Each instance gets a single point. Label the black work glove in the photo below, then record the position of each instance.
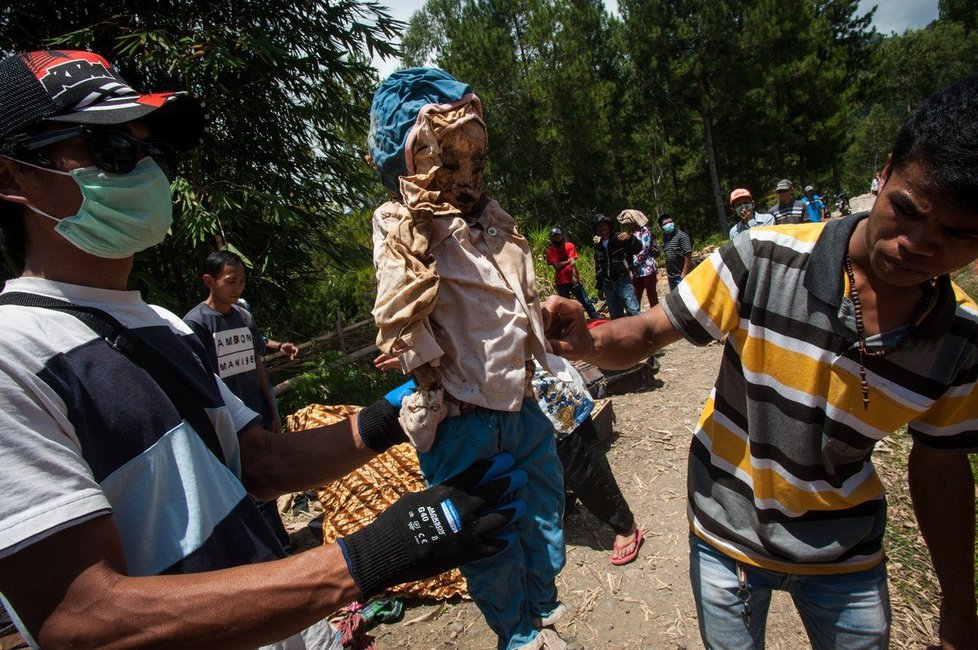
(377, 423)
(426, 533)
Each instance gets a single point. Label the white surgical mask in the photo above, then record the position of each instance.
(668, 228)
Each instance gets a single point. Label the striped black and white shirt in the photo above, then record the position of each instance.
(794, 212)
(85, 432)
(780, 469)
(675, 248)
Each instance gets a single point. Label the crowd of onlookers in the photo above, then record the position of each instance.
(627, 250)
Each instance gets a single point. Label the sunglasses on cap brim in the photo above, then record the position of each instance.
(111, 150)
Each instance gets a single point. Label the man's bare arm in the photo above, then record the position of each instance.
(620, 343)
(71, 591)
(291, 461)
(943, 491)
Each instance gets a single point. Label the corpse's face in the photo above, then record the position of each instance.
(459, 177)
(914, 234)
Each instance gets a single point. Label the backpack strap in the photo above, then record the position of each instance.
(161, 368)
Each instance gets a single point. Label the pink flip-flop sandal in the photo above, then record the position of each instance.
(637, 540)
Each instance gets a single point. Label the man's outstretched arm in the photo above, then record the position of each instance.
(620, 343)
(942, 488)
(71, 589)
(272, 465)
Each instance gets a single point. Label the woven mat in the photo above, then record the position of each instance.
(355, 500)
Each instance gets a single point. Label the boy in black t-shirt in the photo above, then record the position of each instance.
(234, 347)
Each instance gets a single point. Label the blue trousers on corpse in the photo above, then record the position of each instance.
(516, 586)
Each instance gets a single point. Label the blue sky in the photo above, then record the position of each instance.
(891, 16)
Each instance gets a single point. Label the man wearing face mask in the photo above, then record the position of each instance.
(125, 515)
(677, 248)
(743, 206)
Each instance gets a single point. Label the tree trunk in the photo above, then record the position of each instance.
(711, 155)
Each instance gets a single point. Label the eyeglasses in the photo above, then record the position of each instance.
(111, 150)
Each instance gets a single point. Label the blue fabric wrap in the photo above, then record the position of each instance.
(394, 110)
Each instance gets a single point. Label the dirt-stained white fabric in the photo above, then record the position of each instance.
(456, 298)
(486, 322)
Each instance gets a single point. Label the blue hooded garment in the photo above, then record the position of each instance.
(394, 110)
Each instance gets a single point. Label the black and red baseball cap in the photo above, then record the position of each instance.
(77, 87)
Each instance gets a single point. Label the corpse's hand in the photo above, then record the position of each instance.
(385, 362)
(426, 533)
(565, 327)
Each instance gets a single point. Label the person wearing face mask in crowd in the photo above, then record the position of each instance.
(677, 248)
(125, 509)
(743, 206)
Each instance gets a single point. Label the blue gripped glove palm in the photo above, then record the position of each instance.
(426, 533)
(378, 425)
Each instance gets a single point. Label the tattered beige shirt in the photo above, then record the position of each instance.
(485, 322)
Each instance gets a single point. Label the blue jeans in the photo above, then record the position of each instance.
(565, 291)
(674, 281)
(518, 584)
(846, 610)
(621, 297)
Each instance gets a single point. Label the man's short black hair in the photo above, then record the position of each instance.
(942, 133)
(663, 217)
(217, 260)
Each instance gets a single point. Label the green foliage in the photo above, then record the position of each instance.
(963, 12)
(904, 70)
(746, 93)
(287, 87)
(546, 74)
(337, 383)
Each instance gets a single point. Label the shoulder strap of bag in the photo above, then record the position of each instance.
(160, 367)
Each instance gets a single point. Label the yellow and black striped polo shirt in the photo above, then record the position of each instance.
(780, 468)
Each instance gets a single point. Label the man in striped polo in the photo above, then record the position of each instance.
(837, 334)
